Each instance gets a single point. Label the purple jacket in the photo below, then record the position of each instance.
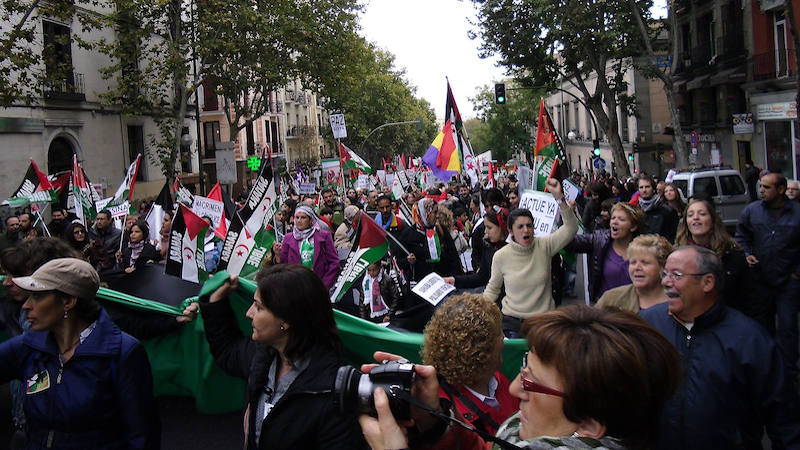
(326, 259)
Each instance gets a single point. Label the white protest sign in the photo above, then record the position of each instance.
(226, 166)
(363, 182)
(433, 289)
(204, 206)
(338, 126)
(389, 179)
(101, 204)
(523, 178)
(544, 209)
(308, 188)
(571, 190)
(120, 210)
(381, 176)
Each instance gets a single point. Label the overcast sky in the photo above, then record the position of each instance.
(429, 39)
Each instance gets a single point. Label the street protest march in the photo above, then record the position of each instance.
(211, 237)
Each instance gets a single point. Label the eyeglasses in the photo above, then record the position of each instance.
(532, 386)
(677, 276)
(78, 232)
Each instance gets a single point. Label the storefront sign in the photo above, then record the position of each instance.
(743, 123)
(777, 111)
(21, 125)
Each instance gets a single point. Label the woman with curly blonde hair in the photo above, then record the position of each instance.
(464, 341)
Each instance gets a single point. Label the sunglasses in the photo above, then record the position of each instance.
(532, 386)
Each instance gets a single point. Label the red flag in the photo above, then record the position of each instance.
(216, 194)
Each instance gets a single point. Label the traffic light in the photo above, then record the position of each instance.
(596, 148)
(630, 156)
(500, 93)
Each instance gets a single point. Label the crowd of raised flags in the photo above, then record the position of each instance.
(248, 232)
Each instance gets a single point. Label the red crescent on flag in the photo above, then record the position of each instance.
(241, 253)
(188, 252)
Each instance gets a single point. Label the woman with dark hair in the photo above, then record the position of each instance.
(138, 252)
(523, 267)
(289, 362)
(599, 193)
(495, 236)
(619, 192)
(701, 225)
(464, 342)
(88, 384)
(672, 197)
(93, 252)
(609, 249)
(593, 379)
(163, 234)
(309, 246)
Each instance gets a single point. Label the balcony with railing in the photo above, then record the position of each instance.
(299, 130)
(773, 65)
(70, 87)
(730, 46)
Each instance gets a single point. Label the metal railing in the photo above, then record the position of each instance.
(772, 65)
(72, 85)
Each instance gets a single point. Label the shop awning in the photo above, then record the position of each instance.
(679, 86)
(737, 75)
(698, 82)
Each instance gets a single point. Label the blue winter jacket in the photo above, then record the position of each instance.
(775, 242)
(734, 380)
(102, 398)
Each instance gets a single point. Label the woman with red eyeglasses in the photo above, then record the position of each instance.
(593, 379)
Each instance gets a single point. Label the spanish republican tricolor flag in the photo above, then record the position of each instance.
(442, 155)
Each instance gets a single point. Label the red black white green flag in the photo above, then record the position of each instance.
(82, 193)
(125, 190)
(369, 247)
(35, 188)
(246, 225)
(186, 241)
(550, 155)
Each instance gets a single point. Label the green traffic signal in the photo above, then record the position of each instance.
(630, 157)
(596, 148)
(500, 93)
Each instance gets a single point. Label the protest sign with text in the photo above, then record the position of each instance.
(544, 209)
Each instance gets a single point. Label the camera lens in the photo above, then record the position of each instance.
(352, 391)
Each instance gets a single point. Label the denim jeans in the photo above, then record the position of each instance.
(788, 335)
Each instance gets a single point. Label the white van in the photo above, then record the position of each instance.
(725, 186)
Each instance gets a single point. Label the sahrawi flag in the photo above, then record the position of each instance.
(350, 160)
(368, 248)
(125, 190)
(186, 241)
(35, 188)
(245, 241)
(550, 155)
(82, 193)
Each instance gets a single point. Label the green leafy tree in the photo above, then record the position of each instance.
(508, 128)
(540, 41)
(378, 93)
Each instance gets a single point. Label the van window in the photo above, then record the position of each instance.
(707, 185)
(681, 185)
(731, 185)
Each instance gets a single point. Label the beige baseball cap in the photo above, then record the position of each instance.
(68, 275)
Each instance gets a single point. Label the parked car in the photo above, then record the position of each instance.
(725, 186)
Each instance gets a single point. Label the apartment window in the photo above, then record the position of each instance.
(57, 55)
(565, 108)
(136, 148)
(781, 45)
(210, 100)
(577, 121)
(210, 138)
(59, 156)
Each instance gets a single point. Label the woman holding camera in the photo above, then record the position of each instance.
(593, 378)
(289, 362)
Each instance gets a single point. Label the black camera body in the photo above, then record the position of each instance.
(354, 392)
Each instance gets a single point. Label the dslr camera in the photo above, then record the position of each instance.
(354, 392)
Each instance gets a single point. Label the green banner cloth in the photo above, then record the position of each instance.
(182, 363)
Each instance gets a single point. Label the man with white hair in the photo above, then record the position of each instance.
(793, 190)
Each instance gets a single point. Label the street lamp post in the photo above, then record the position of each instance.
(418, 121)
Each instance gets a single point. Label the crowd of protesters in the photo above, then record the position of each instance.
(720, 371)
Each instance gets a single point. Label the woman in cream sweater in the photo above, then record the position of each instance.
(523, 265)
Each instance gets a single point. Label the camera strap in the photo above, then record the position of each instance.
(475, 409)
(403, 395)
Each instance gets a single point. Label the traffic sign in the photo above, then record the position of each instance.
(338, 126)
(694, 139)
(599, 163)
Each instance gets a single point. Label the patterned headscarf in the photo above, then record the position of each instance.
(305, 234)
(422, 210)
